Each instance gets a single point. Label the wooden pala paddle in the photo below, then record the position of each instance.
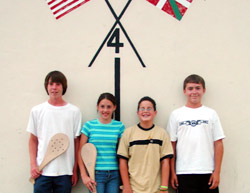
(88, 153)
(58, 144)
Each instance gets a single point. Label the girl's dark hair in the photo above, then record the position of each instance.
(58, 77)
(194, 78)
(147, 98)
(107, 96)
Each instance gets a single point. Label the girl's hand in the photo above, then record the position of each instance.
(127, 190)
(89, 183)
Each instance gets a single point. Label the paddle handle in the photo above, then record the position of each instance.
(32, 180)
(43, 164)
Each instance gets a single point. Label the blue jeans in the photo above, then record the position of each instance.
(49, 184)
(107, 181)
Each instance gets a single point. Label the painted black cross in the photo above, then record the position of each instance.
(114, 41)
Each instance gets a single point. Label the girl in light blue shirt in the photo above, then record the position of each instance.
(104, 133)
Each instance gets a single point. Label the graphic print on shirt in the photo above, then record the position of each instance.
(193, 123)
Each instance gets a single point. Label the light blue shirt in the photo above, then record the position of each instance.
(105, 138)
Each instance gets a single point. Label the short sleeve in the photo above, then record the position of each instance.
(166, 149)
(77, 123)
(217, 128)
(172, 128)
(31, 127)
(86, 129)
(122, 128)
(123, 146)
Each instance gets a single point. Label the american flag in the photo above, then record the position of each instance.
(61, 7)
(176, 8)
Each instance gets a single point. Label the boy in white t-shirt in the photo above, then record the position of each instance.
(196, 135)
(47, 119)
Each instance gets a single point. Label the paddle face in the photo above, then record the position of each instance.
(58, 144)
(88, 153)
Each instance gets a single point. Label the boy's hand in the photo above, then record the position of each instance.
(35, 173)
(74, 178)
(214, 180)
(174, 181)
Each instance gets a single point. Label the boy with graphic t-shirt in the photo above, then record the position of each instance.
(196, 135)
(47, 119)
(144, 152)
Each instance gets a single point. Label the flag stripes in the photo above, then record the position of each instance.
(176, 8)
(60, 8)
(161, 3)
(185, 3)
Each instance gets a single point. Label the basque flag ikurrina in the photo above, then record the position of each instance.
(176, 8)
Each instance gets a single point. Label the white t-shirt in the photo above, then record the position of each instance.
(45, 121)
(195, 130)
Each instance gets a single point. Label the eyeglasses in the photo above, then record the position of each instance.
(145, 109)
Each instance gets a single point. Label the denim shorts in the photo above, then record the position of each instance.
(57, 184)
(107, 181)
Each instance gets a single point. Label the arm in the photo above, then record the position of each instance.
(165, 169)
(75, 176)
(89, 183)
(174, 180)
(124, 175)
(33, 145)
(218, 154)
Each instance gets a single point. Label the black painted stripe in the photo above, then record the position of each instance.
(117, 88)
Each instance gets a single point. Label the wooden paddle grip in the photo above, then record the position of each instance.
(33, 181)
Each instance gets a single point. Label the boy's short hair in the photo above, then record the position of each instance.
(147, 98)
(58, 77)
(194, 78)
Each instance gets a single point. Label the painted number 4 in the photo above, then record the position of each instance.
(114, 41)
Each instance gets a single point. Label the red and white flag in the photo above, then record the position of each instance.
(61, 7)
(176, 8)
